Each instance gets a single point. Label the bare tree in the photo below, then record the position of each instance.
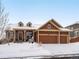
(3, 20)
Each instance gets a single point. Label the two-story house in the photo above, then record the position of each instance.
(74, 34)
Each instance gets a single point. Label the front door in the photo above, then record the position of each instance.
(20, 36)
(29, 35)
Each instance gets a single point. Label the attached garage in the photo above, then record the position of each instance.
(48, 37)
(63, 39)
(52, 32)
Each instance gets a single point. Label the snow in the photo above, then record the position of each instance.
(65, 29)
(22, 50)
(35, 50)
(34, 27)
(63, 49)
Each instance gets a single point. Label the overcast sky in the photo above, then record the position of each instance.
(38, 11)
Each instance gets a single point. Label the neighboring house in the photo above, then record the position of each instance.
(75, 29)
(74, 34)
(49, 32)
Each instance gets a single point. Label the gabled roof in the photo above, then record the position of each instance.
(76, 23)
(65, 29)
(36, 27)
(56, 23)
(52, 21)
(12, 26)
(25, 28)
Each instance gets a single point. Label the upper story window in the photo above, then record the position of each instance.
(20, 24)
(49, 26)
(29, 24)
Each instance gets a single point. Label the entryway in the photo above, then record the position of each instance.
(20, 36)
(24, 35)
(30, 36)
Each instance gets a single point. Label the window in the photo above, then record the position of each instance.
(49, 26)
(71, 28)
(11, 34)
(20, 24)
(76, 33)
(29, 24)
(72, 34)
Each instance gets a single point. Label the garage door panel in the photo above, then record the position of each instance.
(63, 39)
(48, 39)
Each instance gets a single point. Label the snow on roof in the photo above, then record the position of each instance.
(10, 26)
(24, 27)
(33, 27)
(77, 22)
(65, 29)
(15, 26)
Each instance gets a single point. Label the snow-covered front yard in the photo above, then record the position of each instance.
(29, 49)
(61, 50)
(22, 50)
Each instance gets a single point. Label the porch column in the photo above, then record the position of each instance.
(58, 37)
(33, 35)
(38, 36)
(68, 37)
(7, 36)
(24, 35)
(18, 35)
(14, 36)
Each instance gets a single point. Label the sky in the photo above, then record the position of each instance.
(65, 12)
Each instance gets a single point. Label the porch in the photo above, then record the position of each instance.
(23, 35)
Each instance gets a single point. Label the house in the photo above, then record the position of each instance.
(49, 32)
(74, 34)
(75, 29)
